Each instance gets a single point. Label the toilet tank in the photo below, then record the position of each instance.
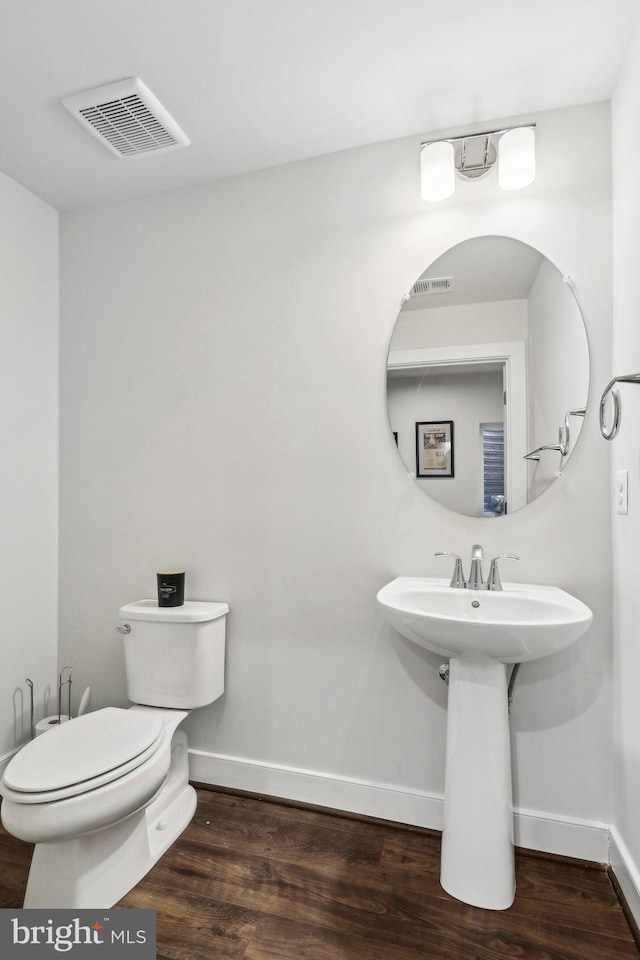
(174, 656)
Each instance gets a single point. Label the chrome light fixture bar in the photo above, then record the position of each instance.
(474, 156)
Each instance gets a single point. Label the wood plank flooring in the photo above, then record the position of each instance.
(256, 880)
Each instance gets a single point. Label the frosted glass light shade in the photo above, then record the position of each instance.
(517, 158)
(437, 170)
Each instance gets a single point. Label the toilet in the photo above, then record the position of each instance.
(104, 795)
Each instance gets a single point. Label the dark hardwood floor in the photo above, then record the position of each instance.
(257, 880)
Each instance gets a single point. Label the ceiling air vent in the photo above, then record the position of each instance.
(434, 285)
(126, 118)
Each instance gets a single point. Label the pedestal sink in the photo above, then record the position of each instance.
(480, 631)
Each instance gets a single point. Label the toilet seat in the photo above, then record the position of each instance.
(82, 755)
(30, 817)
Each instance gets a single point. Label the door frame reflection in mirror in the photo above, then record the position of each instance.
(509, 356)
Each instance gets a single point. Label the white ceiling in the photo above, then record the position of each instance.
(255, 83)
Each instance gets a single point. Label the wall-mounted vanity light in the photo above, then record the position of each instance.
(474, 157)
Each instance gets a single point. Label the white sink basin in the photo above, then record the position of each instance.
(522, 622)
(479, 631)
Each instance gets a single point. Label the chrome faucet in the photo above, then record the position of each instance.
(457, 580)
(475, 581)
(493, 580)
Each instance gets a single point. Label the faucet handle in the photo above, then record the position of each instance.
(493, 580)
(457, 580)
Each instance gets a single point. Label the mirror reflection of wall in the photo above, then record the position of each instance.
(492, 339)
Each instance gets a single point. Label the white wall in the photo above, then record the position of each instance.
(223, 359)
(28, 455)
(626, 529)
(492, 322)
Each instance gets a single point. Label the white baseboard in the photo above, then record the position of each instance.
(587, 840)
(626, 871)
(321, 789)
(566, 836)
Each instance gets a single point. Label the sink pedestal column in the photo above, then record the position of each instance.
(477, 864)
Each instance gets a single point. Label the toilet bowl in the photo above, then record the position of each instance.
(104, 795)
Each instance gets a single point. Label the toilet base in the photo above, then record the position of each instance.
(99, 868)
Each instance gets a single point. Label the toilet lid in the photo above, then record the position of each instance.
(83, 749)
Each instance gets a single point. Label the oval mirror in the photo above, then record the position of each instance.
(488, 376)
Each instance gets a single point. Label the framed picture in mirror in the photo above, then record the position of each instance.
(434, 448)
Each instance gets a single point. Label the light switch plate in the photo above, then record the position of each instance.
(621, 492)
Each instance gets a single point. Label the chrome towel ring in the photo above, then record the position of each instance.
(562, 446)
(617, 407)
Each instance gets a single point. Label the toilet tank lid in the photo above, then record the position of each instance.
(191, 611)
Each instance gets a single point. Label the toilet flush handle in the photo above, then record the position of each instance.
(124, 629)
